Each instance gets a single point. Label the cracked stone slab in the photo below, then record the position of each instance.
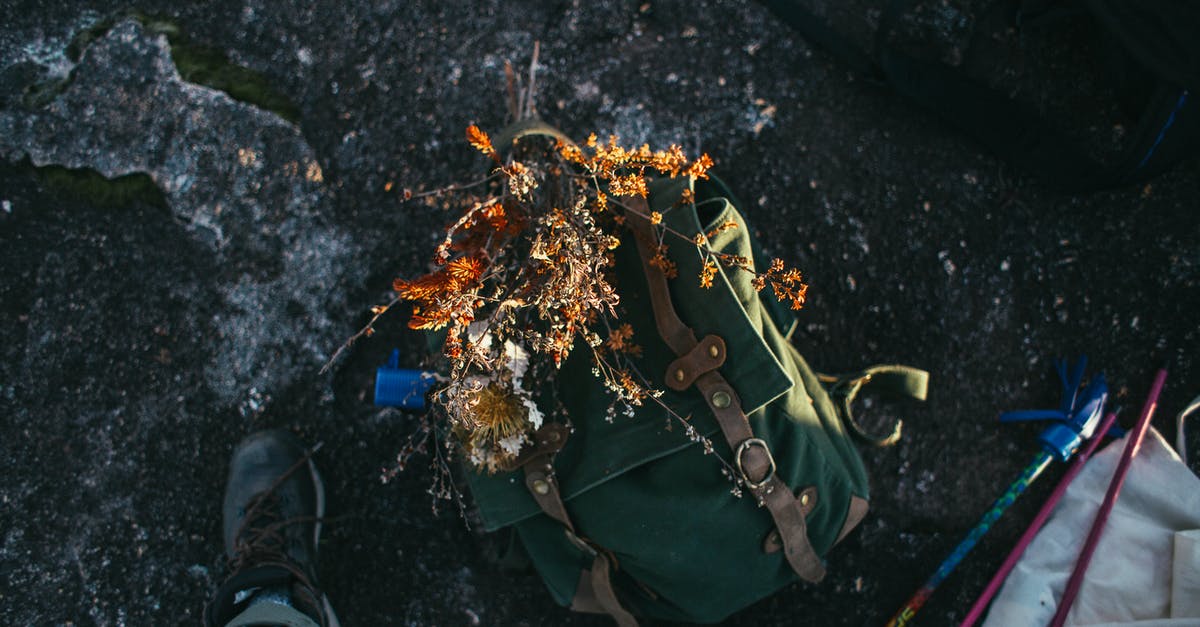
(242, 181)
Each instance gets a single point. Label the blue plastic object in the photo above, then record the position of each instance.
(405, 388)
(1077, 415)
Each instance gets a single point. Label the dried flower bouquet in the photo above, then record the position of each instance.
(523, 277)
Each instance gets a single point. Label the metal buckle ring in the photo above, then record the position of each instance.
(737, 460)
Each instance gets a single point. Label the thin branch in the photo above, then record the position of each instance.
(366, 330)
(530, 107)
(510, 81)
(456, 188)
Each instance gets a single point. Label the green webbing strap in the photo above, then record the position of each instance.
(890, 379)
(1180, 439)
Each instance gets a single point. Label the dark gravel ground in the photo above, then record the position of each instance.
(150, 323)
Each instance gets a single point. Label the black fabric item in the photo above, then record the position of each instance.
(1011, 130)
(1163, 35)
(816, 31)
(1153, 48)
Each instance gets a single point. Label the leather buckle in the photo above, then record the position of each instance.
(737, 460)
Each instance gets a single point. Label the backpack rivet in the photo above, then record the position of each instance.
(713, 351)
(721, 399)
(541, 486)
(679, 375)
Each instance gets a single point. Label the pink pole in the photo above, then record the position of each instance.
(993, 586)
(1110, 499)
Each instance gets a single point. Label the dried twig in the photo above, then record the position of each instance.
(530, 109)
(453, 188)
(368, 330)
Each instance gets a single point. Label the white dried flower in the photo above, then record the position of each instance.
(477, 334)
(517, 360)
(534, 414)
(512, 444)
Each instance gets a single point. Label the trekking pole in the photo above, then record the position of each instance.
(1011, 561)
(1074, 420)
(1110, 499)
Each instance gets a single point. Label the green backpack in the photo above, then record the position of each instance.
(629, 515)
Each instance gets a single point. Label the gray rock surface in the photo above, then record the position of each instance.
(142, 341)
(242, 182)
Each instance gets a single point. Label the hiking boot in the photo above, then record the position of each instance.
(274, 502)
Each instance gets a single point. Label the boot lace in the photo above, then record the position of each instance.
(261, 540)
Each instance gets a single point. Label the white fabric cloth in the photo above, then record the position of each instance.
(1146, 569)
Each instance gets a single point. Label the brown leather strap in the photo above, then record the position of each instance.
(785, 508)
(856, 510)
(677, 335)
(604, 595)
(547, 441)
(808, 501)
(751, 455)
(597, 594)
(537, 462)
(706, 356)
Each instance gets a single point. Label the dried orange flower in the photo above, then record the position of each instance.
(619, 336)
(661, 261)
(721, 228)
(601, 201)
(624, 169)
(699, 169)
(481, 142)
(708, 273)
(629, 185)
(787, 283)
(465, 270)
